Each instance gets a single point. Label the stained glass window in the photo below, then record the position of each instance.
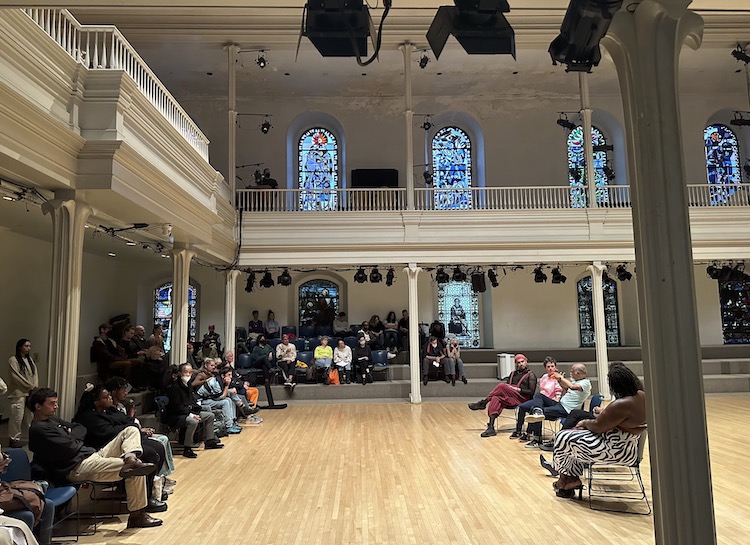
(458, 310)
(451, 169)
(577, 167)
(318, 302)
(163, 312)
(735, 311)
(586, 312)
(722, 162)
(318, 167)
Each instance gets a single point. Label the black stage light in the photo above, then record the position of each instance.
(424, 60)
(585, 24)
(605, 277)
(740, 55)
(427, 125)
(250, 282)
(565, 123)
(539, 275)
(337, 28)
(713, 272)
(493, 278)
(478, 284)
(622, 273)
(375, 276)
(428, 178)
(478, 25)
(285, 279)
(441, 276)
(459, 275)
(266, 281)
(389, 278)
(741, 119)
(262, 62)
(265, 127)
(558, 277)
(360, 277)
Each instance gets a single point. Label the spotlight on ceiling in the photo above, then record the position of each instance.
(584, 25)
(539, 275)
(713, 272)
(338, 28)
(427, 124)
(360, 277)
(441, 276)
(558, 277)
(428, 178)
(267, 280)
(262, 60)
(424, 60)
(741, 119)
(564, 122)
(605, 277)
(250, 282)
(285, 279)
(622, 273)
(479, 26)
(375, 276)
(478, 283)
(390, 277)
(459, 275)
(740, 55)
(266, 126)
(492, 275)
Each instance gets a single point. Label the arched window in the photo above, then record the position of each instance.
(586, 311)
(319, 302)
(735, 311)
(458, 310)
(577, 167)
(451, 169)
(163, 311)
(318, 169)
(722, 162)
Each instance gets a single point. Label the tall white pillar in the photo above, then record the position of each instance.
(600, 326)
(407, 50)
(68, 226)
(181, 258)
(588, 144)
(412, 271)
(232, 51)
(645, 44)
(230, 309)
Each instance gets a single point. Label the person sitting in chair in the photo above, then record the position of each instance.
(286, 360)
(342, 358)
(323, 357)
(514, 389)
(549, 388)
(362, 357)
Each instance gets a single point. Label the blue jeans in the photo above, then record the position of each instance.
(539, 400)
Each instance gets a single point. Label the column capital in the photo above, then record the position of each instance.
(232, 47)
(232, 275)
(597, 268)
(412, 270)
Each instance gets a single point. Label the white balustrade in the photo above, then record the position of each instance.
(331, 200)
(103, 47)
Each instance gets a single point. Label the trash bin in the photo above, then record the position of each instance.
(505, 365)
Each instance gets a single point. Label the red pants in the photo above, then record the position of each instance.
(503, 396)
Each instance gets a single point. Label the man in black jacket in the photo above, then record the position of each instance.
(58, 448)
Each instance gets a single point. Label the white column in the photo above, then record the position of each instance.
(588, 144)
(407, 49)
(645, 44)
(412, 271)
(181, 258)
(68, 226)
(600, 326)
(230, 309)
(232, 51)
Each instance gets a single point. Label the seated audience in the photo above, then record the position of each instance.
(437, 330)
(286, 360)
(213, 393)
(127, 342)
(15, 532)
(435, 355)
(212, 337)
(139, 338)
(370, 338)
(341, 326)
(514, 389)
(246, 401)
(454, 353)
(59, 449)
(342, 359)
(157, 337)
(183, 410)
(110, 359)
(611, 437)
(254, 327)
(209, 349)
(323, 357)
(403, 329)
(155, 366)
(390, 333)
(549, 388)
(362, 356)
(262, 358)
(97, 413)
(191, 359)
(575, 392)
(376, 332)
(273, 328)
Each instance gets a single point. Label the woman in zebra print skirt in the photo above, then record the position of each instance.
(610, 437)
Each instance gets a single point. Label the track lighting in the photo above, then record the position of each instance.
(623, 273)
(262, 61)
(539, 275)
(360, 277)
(389, 277)
(427, 123)
(564, 122)
(375, 276)
(266, 126)
(267, 280)
(459, 275)
(493, 278)
(250, 282)
(441, 276)
(284, 279)
(424, 60)
(557, 276)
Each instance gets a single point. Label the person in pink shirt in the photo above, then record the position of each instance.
(549, 388)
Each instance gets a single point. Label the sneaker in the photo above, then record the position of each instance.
(537, 415)
(391, 355)
(211, 445)
(489, 432)
(533, 444)
(169, 482)
(524, 438)
(234, 430)
(464, 380)
(479, 405)
(288, 384)
(187, 452)
(291, 388)
(255, 419)
(547, 447)
(515, 435)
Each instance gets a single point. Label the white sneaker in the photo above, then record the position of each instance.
(537, 415)
(391, 355)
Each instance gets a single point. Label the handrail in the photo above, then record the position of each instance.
(103, 47)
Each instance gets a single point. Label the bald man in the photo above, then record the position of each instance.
(576, 390)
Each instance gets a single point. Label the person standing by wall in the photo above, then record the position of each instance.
(22, 378)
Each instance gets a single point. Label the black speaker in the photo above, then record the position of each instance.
(374, 177)
(479, 33)
(338, 28)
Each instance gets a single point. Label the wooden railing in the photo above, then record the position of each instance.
(105, 48)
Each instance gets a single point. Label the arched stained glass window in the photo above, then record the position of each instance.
(722, 162)
(451, 169)
(586, 312)
(318, 302)
(577, 167)
(458, 311)
(318, 167)
(735, 311)
(163, 311)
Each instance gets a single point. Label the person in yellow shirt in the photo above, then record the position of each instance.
(323, 356)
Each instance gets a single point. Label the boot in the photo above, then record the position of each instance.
(425, 380)
(141, 519)
(479, 405)
(453, 380)
(364, 380)
(489, 432)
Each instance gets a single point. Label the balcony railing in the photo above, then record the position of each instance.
(484, 198)
(105, 48)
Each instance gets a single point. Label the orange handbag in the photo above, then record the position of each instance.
(333, 377)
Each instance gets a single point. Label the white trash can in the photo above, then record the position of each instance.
(505, 365)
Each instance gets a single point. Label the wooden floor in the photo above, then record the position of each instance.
(396, 473)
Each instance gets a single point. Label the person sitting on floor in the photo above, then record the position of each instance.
(611, 437)
(97, 413)
(575, 392)
(342, 359)
(59, 449)
(286, 360)
(435, 354)
(549, 387)
(323, 357)
(514, 389)
(362, 357)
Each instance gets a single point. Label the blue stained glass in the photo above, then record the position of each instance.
(577, 168)
(584, 288)
(735, 311)
(318, 302)
(722, 162)
(318, 164)
(163, 312)
(458, 311)
(451, 169)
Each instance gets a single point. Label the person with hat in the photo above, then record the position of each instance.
(514, 389)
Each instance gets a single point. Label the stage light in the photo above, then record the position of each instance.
(539, 275)
(427, 124)
(478, 283)
(459, 275)
(741, 119)
(262, 61)
(375, 276)
(428, 178)
(622, 273)
(285, 279)
(389, 278)
(565, 123)
(424, 60)
(558, 277)
(713, 272)
(493, 278)
(360, 277)
(441, 276)
(267, 280)
(266, 126)
(740, 55)
(250, 282)
(605, 277)
(338, 28)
